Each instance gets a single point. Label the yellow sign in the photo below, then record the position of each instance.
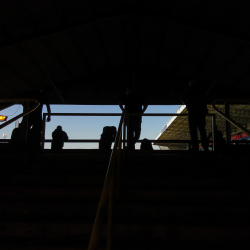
(3, 118)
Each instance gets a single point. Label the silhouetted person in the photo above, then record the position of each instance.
(17, 140)
(107, 137)
(35, 120)
(195, 100)
(133, 104)
(58, 138)
(220, 141)
(146, 145)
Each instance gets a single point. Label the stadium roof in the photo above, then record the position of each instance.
(88, 51)
(177, 127)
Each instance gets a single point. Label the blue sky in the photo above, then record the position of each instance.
(91, 127)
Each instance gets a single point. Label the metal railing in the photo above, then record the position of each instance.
(107, 193)
(228, 118)
(18, 101)
(72, 114)
(107, 196)
(124, 131)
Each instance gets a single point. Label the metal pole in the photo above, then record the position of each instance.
(228, 127)
(25, 122)
(43, 129)
(118, 173)
(128, 137)
(124, 138)
(110, 212)
(213, 133)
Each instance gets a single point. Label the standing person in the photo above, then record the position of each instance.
(35, 120)
(133, 104)
(195, 100)
(58, 138)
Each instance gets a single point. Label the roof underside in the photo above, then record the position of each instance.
(88, 51)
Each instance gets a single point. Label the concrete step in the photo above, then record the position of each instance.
(128, 194)
(47, 211)
(191, 214)
(170, 232)
(180, 159)
(11, 211)
(12, 159)
(123, 231)
(53, 181)
(48, 169)
(183, 170)
(172, 182)
(49, 194)
(183, 195)
(128, 181)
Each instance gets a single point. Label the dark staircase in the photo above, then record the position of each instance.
(167, 200)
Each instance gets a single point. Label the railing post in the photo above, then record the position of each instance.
(128, 135)
(228, 127)
(43, 129)
(213, 133)
(110, 211)
(25, 122)
(118, 173)
(124, 140)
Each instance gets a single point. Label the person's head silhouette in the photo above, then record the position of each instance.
(59, 128)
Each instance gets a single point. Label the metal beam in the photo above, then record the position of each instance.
(72, 35)
(227, 65)
(183, 50)
(56, 55)
(126, 11)
(28, 83)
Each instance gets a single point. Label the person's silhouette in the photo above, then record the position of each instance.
(133, 104)
(195, 100)
(17, 140)
(220, 141)
(58, 138)
(35, 120)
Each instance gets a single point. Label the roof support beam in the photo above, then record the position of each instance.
(126, 11)
(4, 64)
(72, 35)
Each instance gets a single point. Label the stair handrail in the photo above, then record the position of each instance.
(236, 124)
(95, 235)
(18, 100)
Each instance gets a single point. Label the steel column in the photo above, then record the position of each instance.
(228, 126)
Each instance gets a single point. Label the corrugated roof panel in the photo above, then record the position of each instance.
(224, 51)
(197, 50)
(89, 40)
(236, 70)
(43, 13)
(101, 5)
(174, 42)
(49, 61)
(242, 21)
(68, 54)
(76, 9)
(12, 19)
(151, 33)
(112, 38)
(219, 13)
